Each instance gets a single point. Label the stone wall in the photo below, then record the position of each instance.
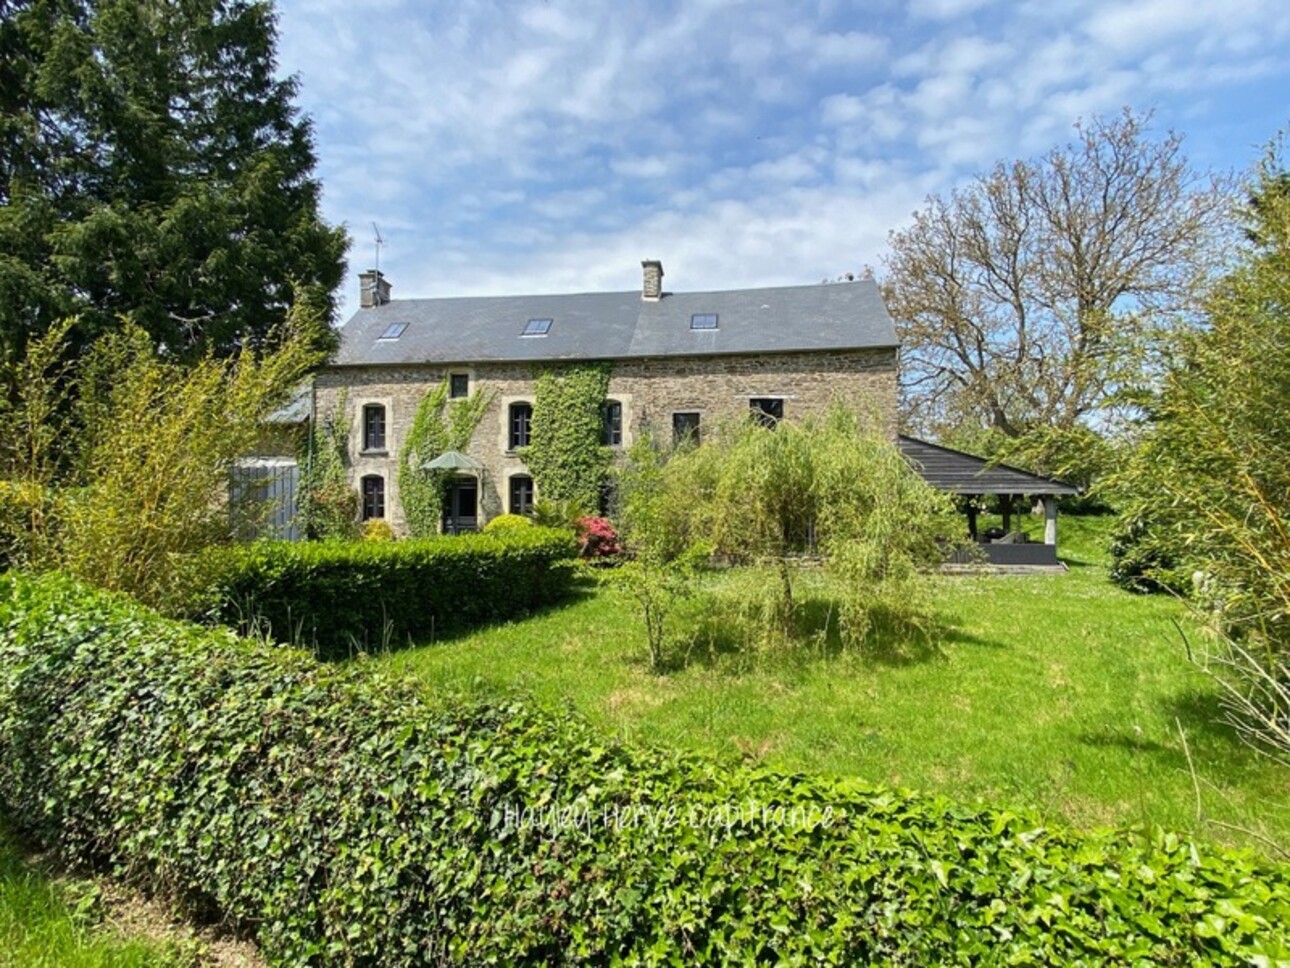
(650, 391)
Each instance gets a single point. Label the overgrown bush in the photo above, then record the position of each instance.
(343, 597)
(345, 819)
(377, 529)
(128, 452)
(831, 487)
(597, 538)
(505, 522)
(1211, 475)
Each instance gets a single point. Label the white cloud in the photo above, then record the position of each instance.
(551, 145)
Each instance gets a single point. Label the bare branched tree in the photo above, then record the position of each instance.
(1024, 299)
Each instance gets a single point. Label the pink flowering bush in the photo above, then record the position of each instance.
(597, 538)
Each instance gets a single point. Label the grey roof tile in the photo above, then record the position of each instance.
(620, 325)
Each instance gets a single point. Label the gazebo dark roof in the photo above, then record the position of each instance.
(960, 473)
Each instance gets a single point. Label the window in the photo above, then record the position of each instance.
(521, 419)
(459, 386)
(611, 434)
(393, 331)
(537, 327)
(373, 497)
(703, 321)
(767, 411)
(685, 429)
(521, 494)
(374, 427)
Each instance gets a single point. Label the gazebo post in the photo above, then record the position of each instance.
(1050, 519)
(1005, 505)
(971, 516)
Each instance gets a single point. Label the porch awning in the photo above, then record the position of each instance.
(453, 460)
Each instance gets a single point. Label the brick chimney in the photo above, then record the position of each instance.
(373, 289)
(652, 291)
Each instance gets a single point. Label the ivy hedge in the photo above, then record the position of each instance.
(344, 818)
(337, 598)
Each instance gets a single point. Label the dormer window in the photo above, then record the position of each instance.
(703, 321)
(537, 327)
(393, 331)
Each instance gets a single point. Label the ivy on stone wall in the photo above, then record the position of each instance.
(440, 425)
(565, 454)
(326, 505)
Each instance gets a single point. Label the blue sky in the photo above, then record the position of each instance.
(513, 147)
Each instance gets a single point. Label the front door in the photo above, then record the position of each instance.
(461, 506)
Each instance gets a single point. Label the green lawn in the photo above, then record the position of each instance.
(44, 924)
(1057, 692)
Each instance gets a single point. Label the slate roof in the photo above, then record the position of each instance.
(619, 325)
(960, 473)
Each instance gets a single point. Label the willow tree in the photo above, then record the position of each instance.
(759, 496)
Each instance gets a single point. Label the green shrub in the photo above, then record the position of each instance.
(377, 529)
(340, 597)
(346, 819)
(507, 522)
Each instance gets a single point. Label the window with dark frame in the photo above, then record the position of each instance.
(537, 327)
(703, 321)
(685, 428)
(767, 411)
(393, 331)
(373, 497)
(521, 494)
(612, 432)
(521, 420)
(374, 427)
(459, 385)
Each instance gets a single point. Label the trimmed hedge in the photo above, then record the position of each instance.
(347, 819)
(341, 597)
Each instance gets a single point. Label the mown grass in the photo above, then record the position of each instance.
(45, 924)
(1059, 693)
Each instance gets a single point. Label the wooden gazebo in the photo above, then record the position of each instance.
(965, 474)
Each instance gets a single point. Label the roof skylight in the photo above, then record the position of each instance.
(703, 321)
(537, 327)
(393, 331)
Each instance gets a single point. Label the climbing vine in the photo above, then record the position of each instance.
(440, 425)
(565, 452)
(327, 505)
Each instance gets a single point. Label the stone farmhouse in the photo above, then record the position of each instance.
(681, 362)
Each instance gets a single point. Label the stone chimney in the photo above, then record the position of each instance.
(652, 291)
(373, 289)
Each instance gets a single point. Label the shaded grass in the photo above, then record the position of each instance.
(1060, 693)
(49, 924)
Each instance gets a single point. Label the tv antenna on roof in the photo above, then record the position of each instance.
(379, 242)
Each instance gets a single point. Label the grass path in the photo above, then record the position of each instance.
(44, 924)
(1058, 692)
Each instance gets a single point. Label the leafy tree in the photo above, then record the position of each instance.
(1209, 486)
(130, 480)
(152, 164)
(1028, 298)
(441, 424)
